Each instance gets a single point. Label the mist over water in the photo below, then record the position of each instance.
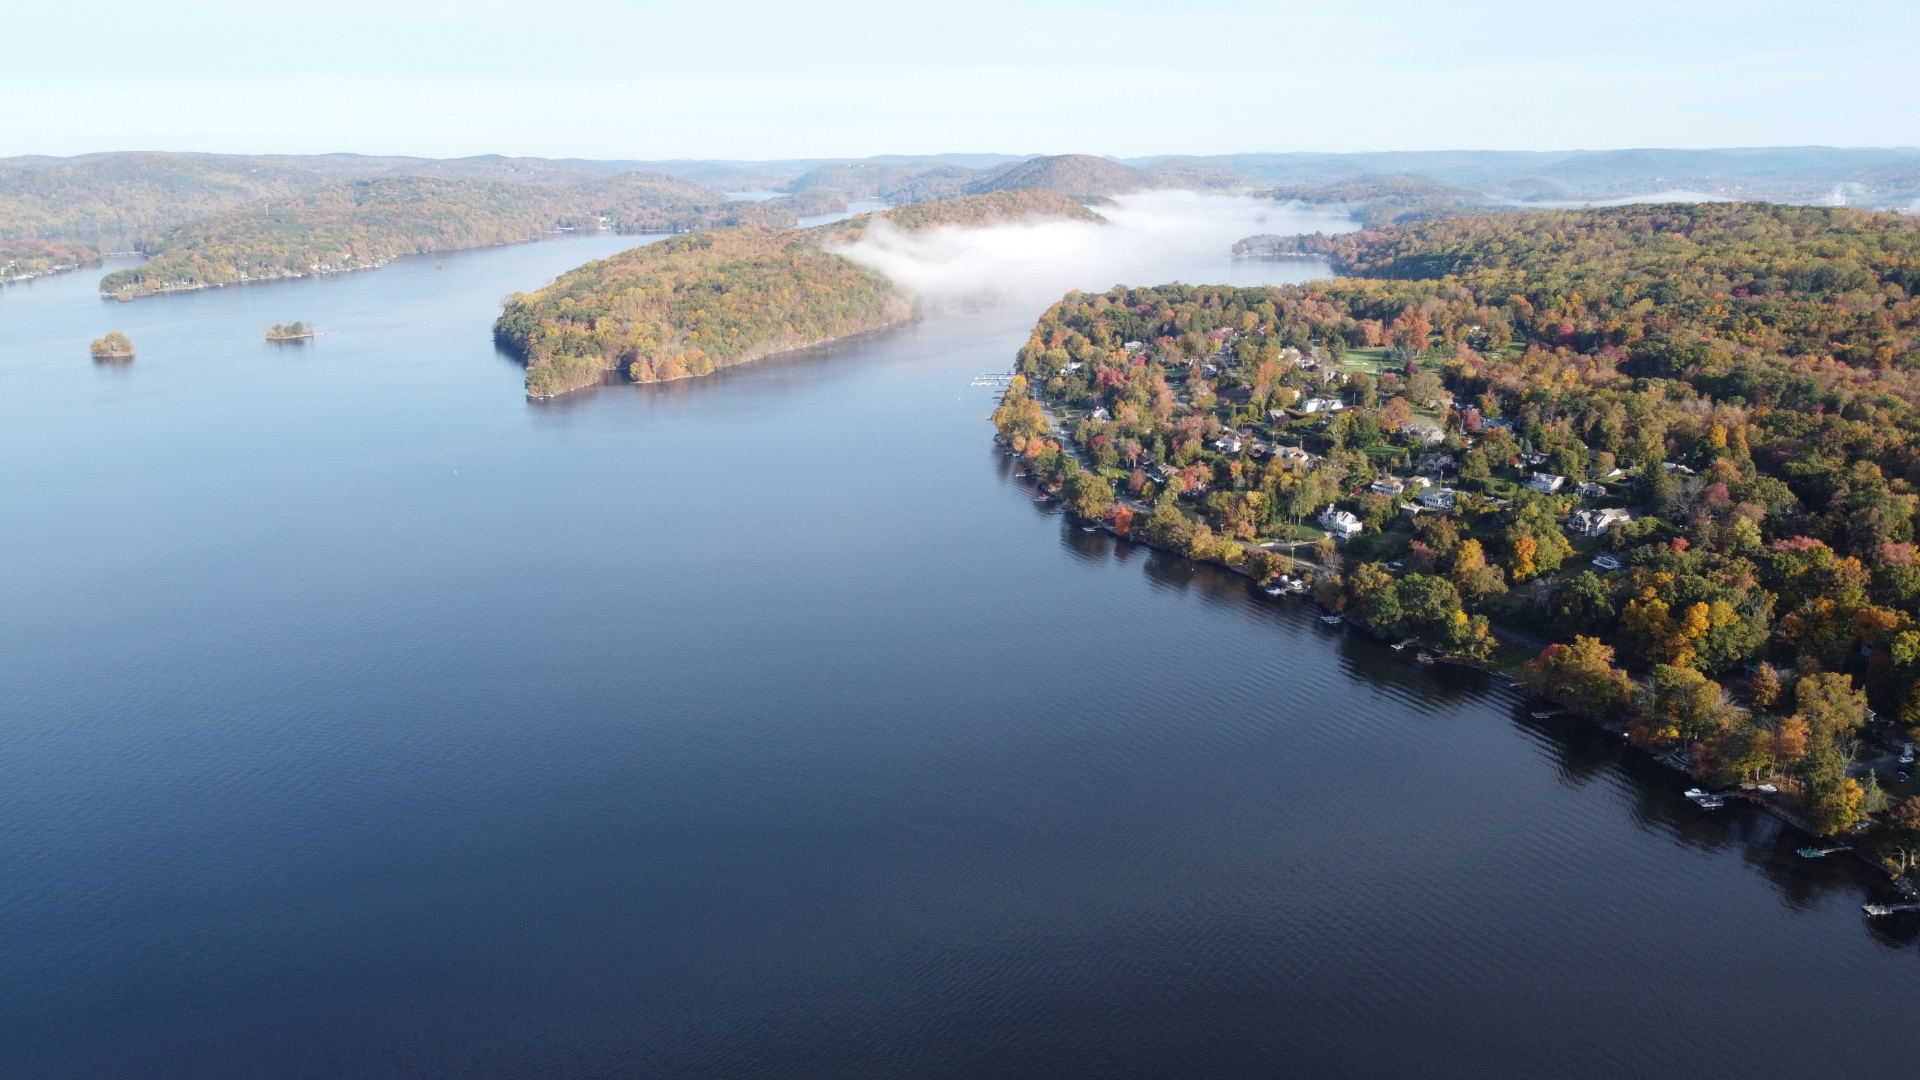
(1032, 264)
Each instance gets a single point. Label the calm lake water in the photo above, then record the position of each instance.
(360, 719)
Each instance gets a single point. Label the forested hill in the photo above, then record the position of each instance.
(364, 223)
(692, 305)
(1000, 206)
(1737, 385)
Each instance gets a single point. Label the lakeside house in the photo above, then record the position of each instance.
(1388, 485)
(1438, 461)
(1589, 490)
(1596, 522)
(1340, 523)
(1606, 562)
(1437, 498)
(1228, 443)
(1545, 483)
(1292, 455)
(1100, 413)
(1322, 404)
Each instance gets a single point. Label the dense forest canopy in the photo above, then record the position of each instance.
(690, 306)
(1737, 380)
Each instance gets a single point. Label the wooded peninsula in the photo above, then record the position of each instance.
(692, 305)
(1678, 444)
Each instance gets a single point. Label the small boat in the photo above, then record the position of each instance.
(1089, 528)
(1330, 620)
(1543, 714)
(1275, 590)
(1817, 852)
(1425, 658)
(1767, 789)
(1706, 800)
(1404, 644)
(1888, 909)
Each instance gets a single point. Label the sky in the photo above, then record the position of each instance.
(851, 78)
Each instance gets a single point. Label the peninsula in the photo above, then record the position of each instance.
(692, 305)
(1678, 444)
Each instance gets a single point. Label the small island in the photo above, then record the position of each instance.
(293, 331)
(115, 346)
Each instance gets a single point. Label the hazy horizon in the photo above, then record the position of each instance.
(888, 156)
(853, 78)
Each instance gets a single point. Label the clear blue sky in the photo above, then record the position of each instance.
(853, 77)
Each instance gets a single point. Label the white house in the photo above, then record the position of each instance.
(1591, 490)
(1596, 522)
(1321, 404)
(1228, 443)
(1545, 483)
(1292, 455)
(1388, 485)
(1437, 498)
(1340, 523)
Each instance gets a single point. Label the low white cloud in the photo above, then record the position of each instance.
(1150, 238)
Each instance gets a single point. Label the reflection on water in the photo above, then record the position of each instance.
(358, 717)
(1582, 753)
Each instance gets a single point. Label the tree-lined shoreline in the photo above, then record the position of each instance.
(1676, 442)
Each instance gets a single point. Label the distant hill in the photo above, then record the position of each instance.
(991, 208)
(1378, 200)
(1783, 174)
(1079, 175)
(361, 224)
(1070, 174)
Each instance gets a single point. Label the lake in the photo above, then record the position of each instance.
(359, 718)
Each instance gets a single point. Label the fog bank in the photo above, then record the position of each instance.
(1151, 238)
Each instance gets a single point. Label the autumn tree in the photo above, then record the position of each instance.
(1582, 677)
(1472, 575)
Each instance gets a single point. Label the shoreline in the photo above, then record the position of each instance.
(1905, 885)
(619, 376)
